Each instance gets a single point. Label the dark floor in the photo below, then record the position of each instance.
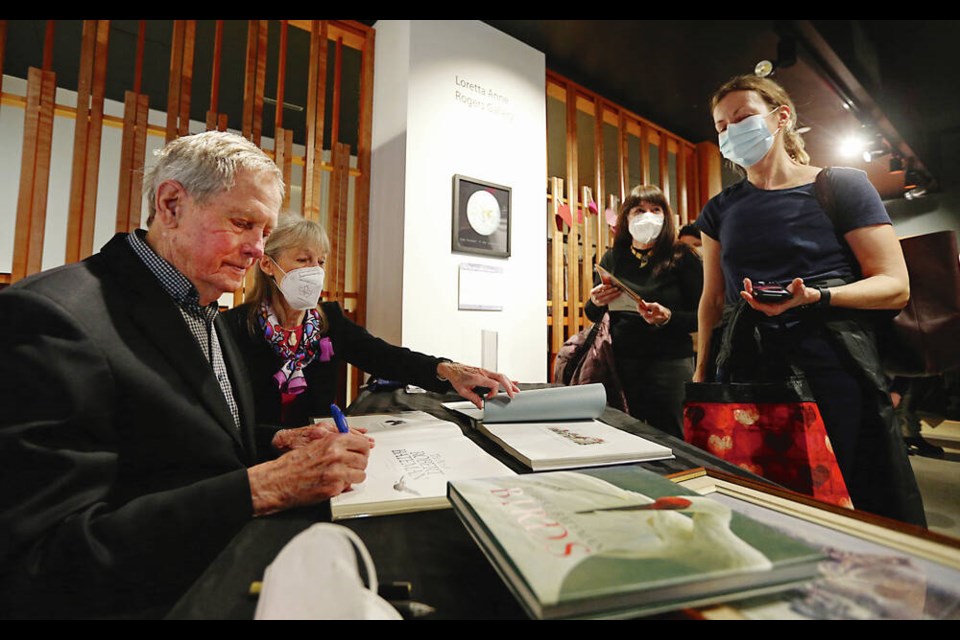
(939, 478)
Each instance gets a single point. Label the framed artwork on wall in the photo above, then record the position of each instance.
(481, 217)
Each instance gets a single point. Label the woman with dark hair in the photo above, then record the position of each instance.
(839, 271)
(651, 339)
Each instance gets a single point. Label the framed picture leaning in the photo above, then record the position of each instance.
(481, 217)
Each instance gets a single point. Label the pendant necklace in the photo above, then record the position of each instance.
(643, 255)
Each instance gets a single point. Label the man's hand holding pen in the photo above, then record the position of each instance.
(319, 462)
(287, 439)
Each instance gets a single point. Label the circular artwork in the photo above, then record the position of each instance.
(483, 212)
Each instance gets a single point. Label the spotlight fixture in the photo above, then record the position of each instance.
(875, 148)
(786, 57)
(763, 69)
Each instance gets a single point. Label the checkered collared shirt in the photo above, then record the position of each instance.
(199, 319)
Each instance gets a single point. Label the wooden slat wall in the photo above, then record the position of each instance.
(664, 177)
(682, 186)
(337, 224)
(572, 240)
(588, 245)
(316, 97)
(181, 74)
(335, 102)
(600, 179)
(133, 146)
(283, 156)
(555, 273)
(86, 142)
(255, 80)
(709, 176)
(39, 107)
(215, 120)
(283, 138)
(361, 200)
(34, 172)
(132, 156)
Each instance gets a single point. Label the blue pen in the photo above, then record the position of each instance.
(339, 418)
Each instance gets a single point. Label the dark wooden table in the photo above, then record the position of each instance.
(431, 550)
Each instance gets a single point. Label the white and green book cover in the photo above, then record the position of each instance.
(622, 541)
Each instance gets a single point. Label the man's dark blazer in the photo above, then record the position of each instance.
(123, 472)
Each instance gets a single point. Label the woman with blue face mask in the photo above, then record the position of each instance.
(294, 345)
(653, 350)
(837, 272)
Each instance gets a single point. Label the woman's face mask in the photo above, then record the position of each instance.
(748, 141)
(301, 287)
(645, 227)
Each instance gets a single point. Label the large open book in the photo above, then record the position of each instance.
(621, 542)
(414, 457)
(557, 428)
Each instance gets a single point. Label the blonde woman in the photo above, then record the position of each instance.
(294, 345)
(833, 274)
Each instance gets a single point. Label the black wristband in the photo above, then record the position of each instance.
(824, 300)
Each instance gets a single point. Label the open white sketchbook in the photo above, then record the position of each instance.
(557, 428)
(414, 457)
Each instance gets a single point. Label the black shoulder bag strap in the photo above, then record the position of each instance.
(823, 189)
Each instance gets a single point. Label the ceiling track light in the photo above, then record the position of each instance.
(876, 146)
(786, 57)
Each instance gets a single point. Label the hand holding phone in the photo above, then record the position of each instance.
(763, 292)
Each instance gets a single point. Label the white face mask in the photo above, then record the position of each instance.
(301, 288)
(645, 227)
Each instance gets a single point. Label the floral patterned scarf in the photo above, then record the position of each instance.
(298, 355)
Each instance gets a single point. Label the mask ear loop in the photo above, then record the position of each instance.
(370, 568)
(277, 265)
(780, 125)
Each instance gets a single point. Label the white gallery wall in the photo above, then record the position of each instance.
(457, 97)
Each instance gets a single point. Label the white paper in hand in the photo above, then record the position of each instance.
(315, 577)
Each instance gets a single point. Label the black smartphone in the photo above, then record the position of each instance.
(770, 293)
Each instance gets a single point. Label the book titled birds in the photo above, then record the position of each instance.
(622, 541)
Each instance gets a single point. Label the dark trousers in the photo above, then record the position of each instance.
(847, 403)
(654, 390)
